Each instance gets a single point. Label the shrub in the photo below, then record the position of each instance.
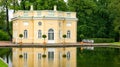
(4, 36)
(20, 35)
(44, 36)
(102, 40)
(21, 56)
(64, 55)
(64, 36)
(44, 56)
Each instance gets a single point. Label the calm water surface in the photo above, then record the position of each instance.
(99, 57)
(64, 57)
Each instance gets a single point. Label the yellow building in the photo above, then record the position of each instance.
(34, 23)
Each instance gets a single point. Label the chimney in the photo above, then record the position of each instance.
(55, 8)
(31, 7)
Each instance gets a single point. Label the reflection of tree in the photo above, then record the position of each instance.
(104, 57)
(7, 52)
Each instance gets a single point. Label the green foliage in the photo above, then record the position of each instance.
(21, 56)
(44, 36)
(64, 55)
(99, 57)
(64, 36)
(94, 18)
(103, 40)
(4, 51)
(2, 20)
(4, 36)
(20, 35)
(44, 55)
(81, 37)
(43, 4)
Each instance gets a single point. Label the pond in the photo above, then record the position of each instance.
(99, 57)
(64, 57)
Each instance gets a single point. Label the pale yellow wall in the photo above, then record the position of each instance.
(33, 59)
(48, 21)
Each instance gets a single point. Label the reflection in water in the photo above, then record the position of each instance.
(63, 57)
(41, 57)
(99, 57)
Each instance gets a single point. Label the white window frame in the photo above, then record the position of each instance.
(39, 34)
(50, 34)
(25, 34)
(25, 56)
(68, 34)
(51, 55)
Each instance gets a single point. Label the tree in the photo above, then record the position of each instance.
(21, 36)
(94, 19)
(4, 36)
(6, 4)
(44, 36)
(43, 4)
(115, 15)
(64, 36)
(2, 20)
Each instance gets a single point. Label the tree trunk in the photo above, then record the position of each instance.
(7, 20)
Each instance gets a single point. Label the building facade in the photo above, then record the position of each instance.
(34, 23)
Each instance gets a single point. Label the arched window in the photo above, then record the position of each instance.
(25, 34)
(39, 34)
(50, 34)
(68, 34)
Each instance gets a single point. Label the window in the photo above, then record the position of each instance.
(51, 55)
(68, 34)
(39, 34)
(68, 55)
(25, 56)
(39, 59)
(39, 56)
(39, 23)
(50, 34)
(25, 34)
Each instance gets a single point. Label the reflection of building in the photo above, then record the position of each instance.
(34, 23)
(32, 57)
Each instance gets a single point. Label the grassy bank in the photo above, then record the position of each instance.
(2, 64)
(115, 43)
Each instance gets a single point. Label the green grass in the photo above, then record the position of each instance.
(115, 43)
(2, 64)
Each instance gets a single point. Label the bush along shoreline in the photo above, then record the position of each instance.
(102, 40)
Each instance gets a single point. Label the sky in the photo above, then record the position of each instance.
(10, 14)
